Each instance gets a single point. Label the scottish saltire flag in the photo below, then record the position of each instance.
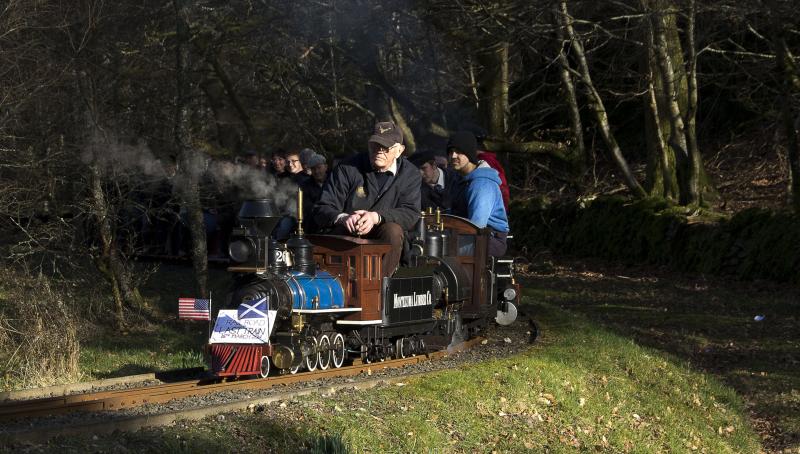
(253, 309)
(194, 308)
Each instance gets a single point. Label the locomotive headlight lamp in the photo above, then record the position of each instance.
(510, 294)
(241, 250)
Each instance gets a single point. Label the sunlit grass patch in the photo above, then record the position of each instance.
(588, 388)
(743, 333)
(112, 354)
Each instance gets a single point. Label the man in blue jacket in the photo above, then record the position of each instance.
(484, 201)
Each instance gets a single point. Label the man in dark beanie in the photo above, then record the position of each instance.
(484, 201)
(374, 194)
(465, 142)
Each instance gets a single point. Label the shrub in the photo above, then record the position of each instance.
(753, 244)
(38, 332)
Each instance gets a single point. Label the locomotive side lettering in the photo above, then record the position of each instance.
(408, 299)
(412, 300)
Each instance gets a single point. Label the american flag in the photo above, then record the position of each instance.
(194, 308)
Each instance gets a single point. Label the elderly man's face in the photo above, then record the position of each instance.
(382, 157)
(293, 160)
(429, 173)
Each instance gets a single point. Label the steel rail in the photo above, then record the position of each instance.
(129, 398)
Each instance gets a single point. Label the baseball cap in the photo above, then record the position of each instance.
(386, 133)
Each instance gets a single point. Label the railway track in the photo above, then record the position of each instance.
(125, 399)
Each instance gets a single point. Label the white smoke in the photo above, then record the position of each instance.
(117, 159)
(254, 183)
(114, 157)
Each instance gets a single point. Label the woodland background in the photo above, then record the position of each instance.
(691, 103)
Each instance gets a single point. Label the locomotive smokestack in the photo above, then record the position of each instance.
(248, 246)
(302, 249)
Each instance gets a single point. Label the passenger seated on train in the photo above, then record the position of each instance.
(312, 190)
(374, 194)
(484, 201)
(441, 188)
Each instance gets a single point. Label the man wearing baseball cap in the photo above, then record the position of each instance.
(484, 201)
(374, 194)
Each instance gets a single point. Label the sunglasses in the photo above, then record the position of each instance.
(375, 148)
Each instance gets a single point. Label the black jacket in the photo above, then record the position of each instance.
(452, 199)
(352, 186)
(312, 191)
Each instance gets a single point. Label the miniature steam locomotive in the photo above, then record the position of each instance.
(319, 301)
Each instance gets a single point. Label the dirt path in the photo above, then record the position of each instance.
(745, 333)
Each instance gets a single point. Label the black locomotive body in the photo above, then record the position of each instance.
(325, 302)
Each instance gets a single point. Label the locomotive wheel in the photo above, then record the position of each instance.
(420, 347)
(264, 369)
(338, 350)
(403, 348)
(398, 349)
(365, 354)
(324, 343)
(312, 359)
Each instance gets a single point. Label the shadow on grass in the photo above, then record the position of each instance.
(249, 433)
(709, 322)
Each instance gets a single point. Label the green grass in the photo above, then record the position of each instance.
(160, 344)
(112, 354)
(708, 323)
(582, 387)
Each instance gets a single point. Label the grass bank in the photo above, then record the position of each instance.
(744, 333)
(581, 387)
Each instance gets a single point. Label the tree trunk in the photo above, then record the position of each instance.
(660, 159)
(108, 260)
(789, 78)
(191, 165)
(661, 177)
(789, 83)
(596, 103)
(668, 68)
(687, 174)
(228, 134)
(691, 107)
(408, 134)
(493, 89)
(571, 99)
(105, 237)
(230, 91)
(388, 103)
